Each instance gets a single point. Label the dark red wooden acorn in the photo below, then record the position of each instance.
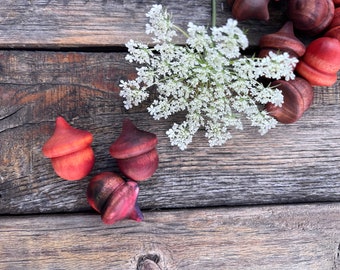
(114, 198)
(135, 152)
(297, 95)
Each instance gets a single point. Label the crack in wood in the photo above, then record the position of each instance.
(9, 112)
(48, 2)
(336, 261)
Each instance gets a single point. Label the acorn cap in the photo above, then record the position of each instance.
(283, 40)
(66, 140)
(132, 142)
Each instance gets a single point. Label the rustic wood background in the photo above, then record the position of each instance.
(205, 208)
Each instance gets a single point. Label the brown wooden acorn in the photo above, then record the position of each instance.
(310, 16)
(297, 95)
(283, 40)
(249, 9)
(334, 27)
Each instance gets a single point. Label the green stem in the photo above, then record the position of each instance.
(213, 13)
(181, 30)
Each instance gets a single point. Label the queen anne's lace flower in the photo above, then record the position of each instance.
(209, 79)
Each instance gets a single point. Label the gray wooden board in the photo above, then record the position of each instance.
(292, 163)
(286, 237)
(99, 23)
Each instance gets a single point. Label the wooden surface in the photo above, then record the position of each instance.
(46, 222)
(271, 237)
(75, 23)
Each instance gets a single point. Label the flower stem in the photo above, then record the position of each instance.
(181, 30)
(213, 13)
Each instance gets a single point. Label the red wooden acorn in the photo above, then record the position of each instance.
(70, 151)
(113, 198)
(135, 151)
(321, 62)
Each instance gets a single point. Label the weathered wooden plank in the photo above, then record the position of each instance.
(270, 237)
(82, 23)
(292, 163)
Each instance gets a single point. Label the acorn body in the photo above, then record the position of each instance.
(114, 198)
(135, 152)
(70, 151)
(321, 62)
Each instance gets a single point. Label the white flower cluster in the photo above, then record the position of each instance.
(209, 79)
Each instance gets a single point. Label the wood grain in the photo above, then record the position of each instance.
(292, 163)
(297, 163)
(105, 23)
(270, 237)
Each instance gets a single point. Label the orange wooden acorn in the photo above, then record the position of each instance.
(321, 62)
(70, 151)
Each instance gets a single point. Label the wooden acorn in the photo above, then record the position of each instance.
(297, 97)
(249, 9)
(310, 16)
(283, 40)
(113, 198)
(334, 27)
(70, 151)
(135, 151)
(321, 62)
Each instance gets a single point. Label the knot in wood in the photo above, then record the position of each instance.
(148, 262)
